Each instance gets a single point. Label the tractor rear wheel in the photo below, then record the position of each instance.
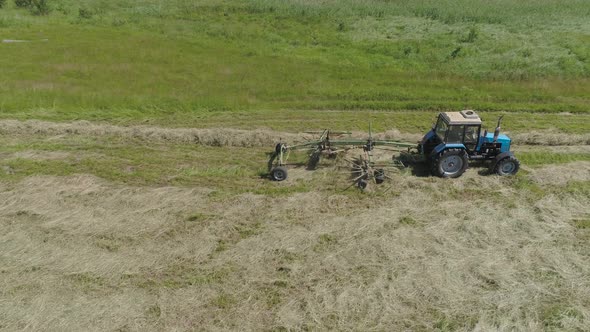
(450, 163)
(279, 173)
(507, 166)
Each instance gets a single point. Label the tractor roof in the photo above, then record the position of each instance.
(466, 117)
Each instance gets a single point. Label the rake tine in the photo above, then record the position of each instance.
(353, 161)
(388, 167)
(345, 171)
(386, 190)
(351, 167)
(345, 189)
(353, 182)
(358, 177)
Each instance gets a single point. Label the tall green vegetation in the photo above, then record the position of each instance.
(36, 7)
(181, 55)
(23, 3)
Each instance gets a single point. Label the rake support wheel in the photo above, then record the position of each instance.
(279, 173)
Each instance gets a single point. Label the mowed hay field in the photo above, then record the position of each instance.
(134, 192)
(129, 231)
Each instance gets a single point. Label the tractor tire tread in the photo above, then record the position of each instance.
(498, 167)
(435, 165)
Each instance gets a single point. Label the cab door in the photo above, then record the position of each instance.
(471, 137)
(455, 134)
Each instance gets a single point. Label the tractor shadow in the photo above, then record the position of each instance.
(417, 168)
(421, 170)
(483, 168)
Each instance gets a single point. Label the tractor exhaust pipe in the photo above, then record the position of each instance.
(497, 131)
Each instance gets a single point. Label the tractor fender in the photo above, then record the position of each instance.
(442, 146)
(501, 156)
(428, 136)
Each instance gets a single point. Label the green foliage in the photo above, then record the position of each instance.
(325, 242)
(471, 36)
(198, 217)
(23, 3)
(182, 274)
(554, 315)
(455, 52)
(582, 223)
(224, 301)
(85, 13)
(2, 3)
(527, 186)
(37, 7)
(542, 158)
(41, 7)
(247, 230)
(580, 188)
(407, 220)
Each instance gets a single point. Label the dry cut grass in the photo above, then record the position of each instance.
(206, 136)
(477, 253)
(240, 137)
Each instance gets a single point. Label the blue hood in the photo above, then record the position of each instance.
(502, 139)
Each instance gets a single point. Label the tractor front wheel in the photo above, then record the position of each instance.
(507, 166)
(279, 173)
(450, 163)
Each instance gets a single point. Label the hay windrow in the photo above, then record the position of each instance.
(210, 137)
(550, 138)
(238, 137)
(553, 148)
(562, 174)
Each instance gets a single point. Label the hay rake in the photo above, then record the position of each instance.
(364, 169)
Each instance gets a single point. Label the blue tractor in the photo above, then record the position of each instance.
(456, 139)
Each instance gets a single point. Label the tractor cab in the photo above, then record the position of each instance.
(453, 128)
(458, 128)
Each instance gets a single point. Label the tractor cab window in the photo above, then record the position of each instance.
(441, 128)
(455, 134)
(471, 134)
(471, 137)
